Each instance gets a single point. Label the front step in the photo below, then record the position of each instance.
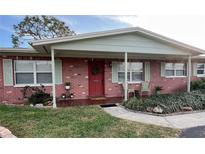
(98, 98)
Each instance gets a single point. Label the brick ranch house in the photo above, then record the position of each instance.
(96, 63)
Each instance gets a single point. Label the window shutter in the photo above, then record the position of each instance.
(162, 69)
(147, 71)
(114, 72)
(8, 72)
(58, 71)
(194, 69)
(187, 68)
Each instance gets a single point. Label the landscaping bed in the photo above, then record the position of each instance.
(168, 103)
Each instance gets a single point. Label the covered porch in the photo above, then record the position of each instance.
(107, 58)
(123, 45)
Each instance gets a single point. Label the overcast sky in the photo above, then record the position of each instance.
(186, 28)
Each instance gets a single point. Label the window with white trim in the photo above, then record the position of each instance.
(134, 71)
(175, 69)
(33, 72)
(200, 69)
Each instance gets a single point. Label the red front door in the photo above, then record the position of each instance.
(96, 78)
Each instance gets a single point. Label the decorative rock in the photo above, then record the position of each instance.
(39, 105)
(157, 109)
(187, 108)
(31, 105)
(50, 103)
(149, 109)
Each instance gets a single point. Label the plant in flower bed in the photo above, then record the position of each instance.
(168, 103)
(198, 84)
(36, 95)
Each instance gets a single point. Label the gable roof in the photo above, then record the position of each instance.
(44, 44)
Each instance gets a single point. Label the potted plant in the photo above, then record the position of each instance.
(158, 89)
(63, 95)
(71, 95)
(67, 85)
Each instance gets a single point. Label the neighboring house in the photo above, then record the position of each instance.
(96, 63)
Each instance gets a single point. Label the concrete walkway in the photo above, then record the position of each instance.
(175, 121)
(5, 133)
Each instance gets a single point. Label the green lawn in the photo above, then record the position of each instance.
(86, 121)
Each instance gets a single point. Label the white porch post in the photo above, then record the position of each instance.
(189, 74)
(53, 78)
(125, 95)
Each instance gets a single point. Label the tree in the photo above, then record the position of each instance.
(39, 27)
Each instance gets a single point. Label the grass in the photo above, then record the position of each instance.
(86, 121)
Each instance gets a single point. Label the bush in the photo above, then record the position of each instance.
(198, 85)
(134, 103)
(36, 95)
(168, 102)
(39, 98)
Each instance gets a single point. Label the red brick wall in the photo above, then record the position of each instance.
(169, 85)
(11, 94)
(75, 70)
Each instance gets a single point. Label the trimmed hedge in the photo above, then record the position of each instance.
(170, 103)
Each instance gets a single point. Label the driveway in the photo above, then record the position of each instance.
(176, 121)
(195, 132)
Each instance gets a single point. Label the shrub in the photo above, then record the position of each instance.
(36, 95)
(134, 103)
(39, 98)
(198, 85)
(200, 91)
(168, 102)
(158, 89)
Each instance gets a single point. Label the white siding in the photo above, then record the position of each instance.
(133, 43)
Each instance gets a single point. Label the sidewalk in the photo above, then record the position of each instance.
(174, 121)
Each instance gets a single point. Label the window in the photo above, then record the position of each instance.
(175, 69)
(43, 72)
(134, 72)
(33, 72)
(24, 72)
(200, 69)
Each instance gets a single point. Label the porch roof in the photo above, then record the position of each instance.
(133, 40)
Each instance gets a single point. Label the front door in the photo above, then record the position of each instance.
(96, 78)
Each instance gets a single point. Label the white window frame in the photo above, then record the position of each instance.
(200, 75)
(34, 62)
(130, 70)
(175, 70)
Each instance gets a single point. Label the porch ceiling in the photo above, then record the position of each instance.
(116, 55)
